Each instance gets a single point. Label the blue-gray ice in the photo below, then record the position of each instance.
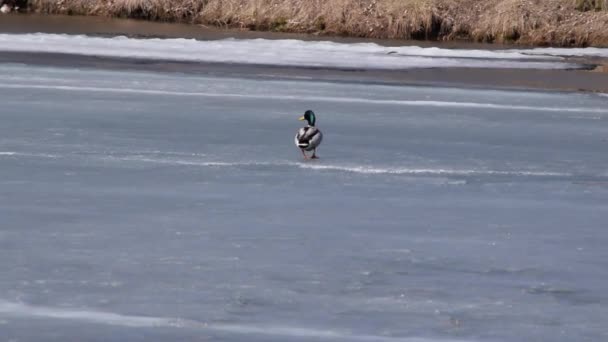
(165, 207)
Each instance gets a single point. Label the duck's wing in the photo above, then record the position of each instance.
(301, 133)
(298, 139)
(308, 133)
(315, 139)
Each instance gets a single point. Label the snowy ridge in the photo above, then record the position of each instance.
(305, 98)
(14, 309)
(566, 52)
(357, 169)
(289, 52)
(428, 171)
(20, 154)
(23, 310)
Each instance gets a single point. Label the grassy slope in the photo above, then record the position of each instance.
(537, 22)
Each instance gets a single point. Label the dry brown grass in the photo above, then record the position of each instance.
(540, 22)
(590, 5)
(364, 18)
(161, 10)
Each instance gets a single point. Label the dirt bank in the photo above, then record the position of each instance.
(526, 22)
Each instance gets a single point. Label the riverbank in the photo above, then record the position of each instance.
(528, 22)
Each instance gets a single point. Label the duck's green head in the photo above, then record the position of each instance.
(309, 116)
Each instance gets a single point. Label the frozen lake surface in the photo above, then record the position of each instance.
(168, 207)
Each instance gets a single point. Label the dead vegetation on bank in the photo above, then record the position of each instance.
(535, 22)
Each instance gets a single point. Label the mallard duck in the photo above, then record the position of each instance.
(309, 137)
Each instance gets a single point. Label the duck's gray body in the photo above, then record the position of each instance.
(308, 138)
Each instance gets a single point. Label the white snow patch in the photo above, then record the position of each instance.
(290, 52)
(23, 310)
(22, 154)
(109, 318)
(5, 9)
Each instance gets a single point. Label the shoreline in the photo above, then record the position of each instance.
(472, 78)
(595, 81)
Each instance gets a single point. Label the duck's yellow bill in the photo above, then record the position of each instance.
(301, 118)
